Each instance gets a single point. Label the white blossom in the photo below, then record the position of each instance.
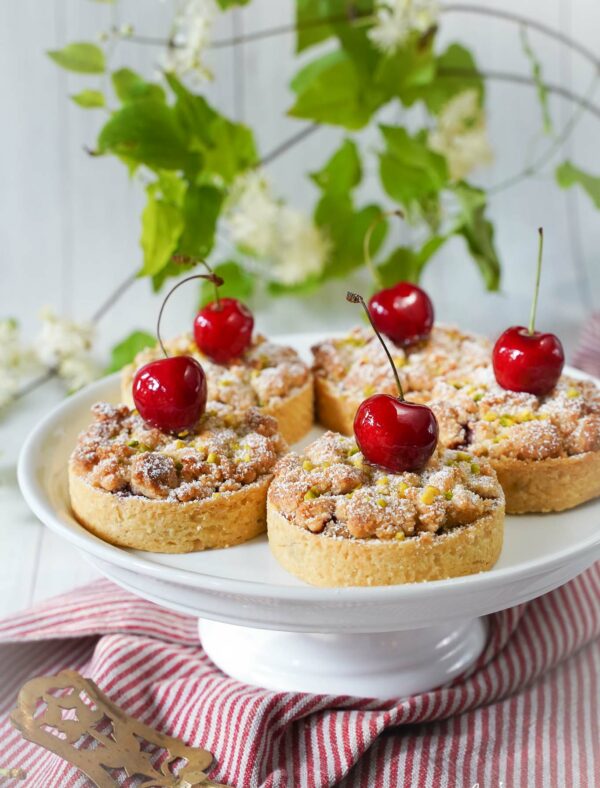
(10, 360)
(461, 134)
(253, 214)
(302, 248)
(264, 226)
(397, 19)
(65, 345)
(190, 38)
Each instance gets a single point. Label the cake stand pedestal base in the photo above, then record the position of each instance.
(377, 665)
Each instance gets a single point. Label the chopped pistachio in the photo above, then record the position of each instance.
(311, 494)
(490, 416)
(212, 458)
(400, 536)
(382, 481)
(183, 434)
(133, 444)
(475, 468)
(368, 390)
(307, 465)
(463, 456)
(381, 502)
(353, 450)
(448, 495)
(477, 397)
(429, 494)
(401, 489)
(506, 421)
(573, 392)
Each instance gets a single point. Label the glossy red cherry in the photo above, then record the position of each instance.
(403, 313)
(170, 393)
(390, 432)
(525, 359)
(223, 329)
(394, 434)
(528, 362)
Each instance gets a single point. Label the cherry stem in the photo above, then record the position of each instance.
(538, 274)
(184, 259)
(367, 243)
(356, 298)
(211, 277)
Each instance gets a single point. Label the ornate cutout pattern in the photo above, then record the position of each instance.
(70, 716)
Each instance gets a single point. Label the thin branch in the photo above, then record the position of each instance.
(287, 144)
(521, 79)
(534, 24)
(116, 294)
(35, 383)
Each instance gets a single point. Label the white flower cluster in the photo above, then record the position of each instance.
(397, 19)
(461, 134)
(267, 228)
(190, 38)
(14, 360)
(65, 346)
(61, 345)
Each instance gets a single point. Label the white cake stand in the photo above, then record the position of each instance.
(265, 627)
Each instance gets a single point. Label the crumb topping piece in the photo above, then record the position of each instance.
(264, 374)
(357, 364)
(332, 489)
(477, 414)
(121, 454)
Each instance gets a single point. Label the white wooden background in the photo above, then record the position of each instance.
(69, 223)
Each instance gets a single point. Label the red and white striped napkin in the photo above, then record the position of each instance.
(527, 714)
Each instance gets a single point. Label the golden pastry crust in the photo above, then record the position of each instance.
(268, 376)
(322, 560)
(165, 526)
(135, 486)
(334, 519)
(550, 485)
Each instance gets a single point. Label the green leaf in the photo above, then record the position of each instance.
(228, 148)
(343, 170)
(89, 99)
(536, 70)
(237, 283)
(147, 132)
(162, 223)
(410, 171)
(317, 20)
(408, 71)
(81, 57)
(125, 351)
(201, 209)
(129, 86)
(233, 149)
(302, 289)
(455, 72)
(225, 4)
(332, 90)
(478, 232)
(567, 175)
(405, 264)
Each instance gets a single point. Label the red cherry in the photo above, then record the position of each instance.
(170, 393)
(394, 434)
(528, 362)
(223, 329)
(403, 313)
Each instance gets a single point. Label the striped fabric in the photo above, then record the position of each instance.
(526, 715)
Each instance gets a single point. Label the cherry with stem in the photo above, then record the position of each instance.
(527, 360)
(170, 393)
(404, 312)
(390, 432)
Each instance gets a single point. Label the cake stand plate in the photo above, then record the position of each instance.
(265, 627)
